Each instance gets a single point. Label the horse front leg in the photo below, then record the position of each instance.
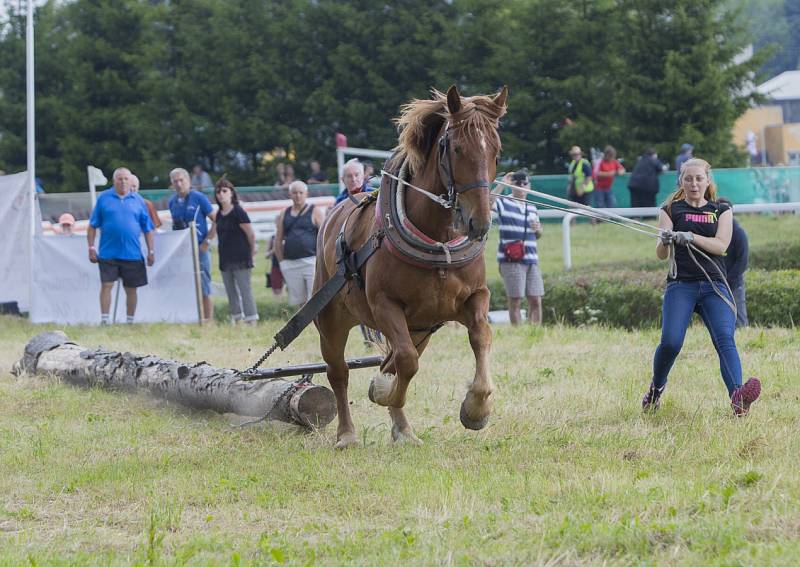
(402, 431)
(390, 386)
(477, 404)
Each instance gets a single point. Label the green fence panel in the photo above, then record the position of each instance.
(743, 185)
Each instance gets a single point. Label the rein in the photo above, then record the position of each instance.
(632, 224)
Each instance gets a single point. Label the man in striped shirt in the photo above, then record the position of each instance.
(517, 254)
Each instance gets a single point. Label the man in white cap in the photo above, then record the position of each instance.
(67, 222)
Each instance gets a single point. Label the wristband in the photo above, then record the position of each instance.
(151, 252)
(92, 248)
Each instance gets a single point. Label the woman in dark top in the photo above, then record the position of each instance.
(643, 183)
(237, 246)
(699, 228)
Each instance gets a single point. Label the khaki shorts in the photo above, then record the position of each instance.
(522, 280)
(299, 278)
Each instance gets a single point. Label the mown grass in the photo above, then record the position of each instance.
(568, 472)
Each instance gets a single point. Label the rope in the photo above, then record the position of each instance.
(438, 199)
(574, 205)
(591, 214)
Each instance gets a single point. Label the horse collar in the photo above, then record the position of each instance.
(408, 242)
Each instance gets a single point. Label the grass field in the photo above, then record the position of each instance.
(568, 471)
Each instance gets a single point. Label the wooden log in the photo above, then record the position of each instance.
(199, 386)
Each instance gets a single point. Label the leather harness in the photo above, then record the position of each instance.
(402, 238)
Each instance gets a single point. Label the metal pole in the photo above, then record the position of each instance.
(196, 263)
(340, 167)
(31, 137)
(92, 191)
(565, 240)
(117, 285)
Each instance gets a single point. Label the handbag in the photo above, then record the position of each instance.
(515, 251)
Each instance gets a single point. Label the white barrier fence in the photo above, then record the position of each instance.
(65, 286)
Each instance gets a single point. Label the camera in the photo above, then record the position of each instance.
(519, 177)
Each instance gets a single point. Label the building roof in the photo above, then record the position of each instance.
(785, 86)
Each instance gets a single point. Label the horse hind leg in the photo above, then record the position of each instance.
(333, 339)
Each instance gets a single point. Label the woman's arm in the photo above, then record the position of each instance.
(664, 223)
(278, 244)
(247, 228)
(317, 217)
(718, 244)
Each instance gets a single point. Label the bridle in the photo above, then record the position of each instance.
(446, 170)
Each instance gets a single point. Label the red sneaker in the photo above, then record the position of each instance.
(744, 396)
(651, 399)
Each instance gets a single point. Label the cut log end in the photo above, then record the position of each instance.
(313, 407)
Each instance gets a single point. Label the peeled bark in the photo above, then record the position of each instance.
(199, 386)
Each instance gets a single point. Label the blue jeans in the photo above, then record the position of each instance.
(681, 299)
(205, 271)
(603, 199)
(739, 294)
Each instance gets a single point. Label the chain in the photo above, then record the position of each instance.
(287, 394)
(261, 360)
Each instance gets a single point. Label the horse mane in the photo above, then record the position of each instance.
(421, 120)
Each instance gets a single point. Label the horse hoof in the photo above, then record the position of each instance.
(404, 438)
(380, 389)
(346, 441)
(475, 425)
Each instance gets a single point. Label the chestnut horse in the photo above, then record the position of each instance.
(449, 147)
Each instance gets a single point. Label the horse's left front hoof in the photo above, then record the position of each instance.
(469, 423)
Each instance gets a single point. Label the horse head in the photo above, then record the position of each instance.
(452, 145)
(468, 150)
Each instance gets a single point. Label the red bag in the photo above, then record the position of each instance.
(275, 278)
(514, 251)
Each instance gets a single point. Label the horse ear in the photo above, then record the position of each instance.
(501, 97)
(453, 100)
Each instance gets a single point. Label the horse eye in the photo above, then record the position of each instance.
(457, 150)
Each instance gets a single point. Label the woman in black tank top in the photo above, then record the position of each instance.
(693, 221)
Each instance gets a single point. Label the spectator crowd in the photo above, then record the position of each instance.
(123, 217)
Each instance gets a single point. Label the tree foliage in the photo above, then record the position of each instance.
(156, 84)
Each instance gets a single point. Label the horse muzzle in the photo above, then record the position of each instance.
(477, 229)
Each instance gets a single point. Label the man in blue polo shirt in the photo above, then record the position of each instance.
(121, 216)
(188, 205)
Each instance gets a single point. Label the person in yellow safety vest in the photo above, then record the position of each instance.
(580, 177)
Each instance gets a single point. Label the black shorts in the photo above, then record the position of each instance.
(132, 272)
(583, 199)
